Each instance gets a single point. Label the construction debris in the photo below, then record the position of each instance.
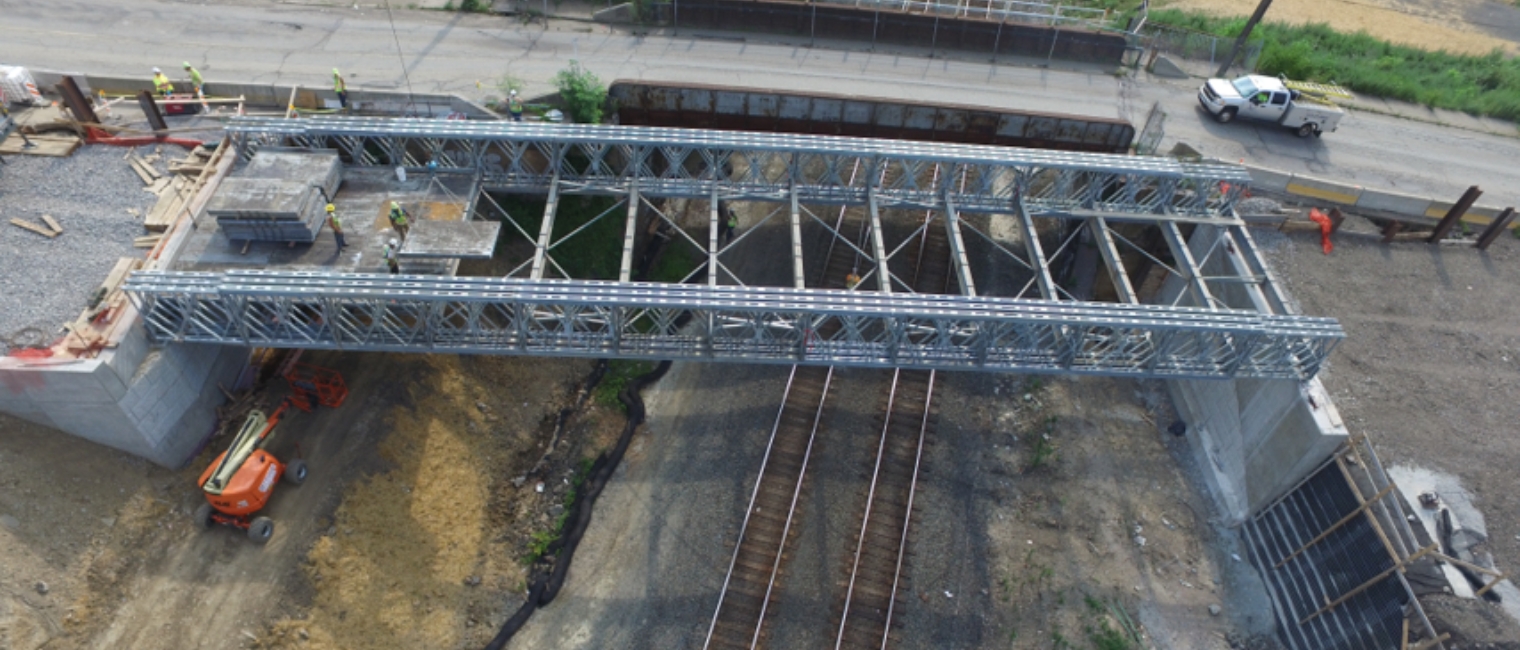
(177, 188)
(50, 231)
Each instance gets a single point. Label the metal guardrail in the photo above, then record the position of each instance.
(748, 324)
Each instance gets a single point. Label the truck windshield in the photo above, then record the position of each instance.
(1244, 86)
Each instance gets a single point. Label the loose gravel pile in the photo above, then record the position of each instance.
(1258, 205)
(45, 283)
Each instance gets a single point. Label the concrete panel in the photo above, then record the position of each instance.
(1342, 193)
(1393, 202)
(1477, 214)
(73, 382)
(1270, 180)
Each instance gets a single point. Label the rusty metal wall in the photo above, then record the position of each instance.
(887, 27)
(742, 109)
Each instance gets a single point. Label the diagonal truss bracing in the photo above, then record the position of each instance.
(750, 324)
(691, 163)
(1228, 320)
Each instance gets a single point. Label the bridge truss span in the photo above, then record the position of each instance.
(738, 324)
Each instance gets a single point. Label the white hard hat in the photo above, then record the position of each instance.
(156, 70)
(514, 93)
(393, 242)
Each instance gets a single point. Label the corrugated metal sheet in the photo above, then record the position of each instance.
(702, 106)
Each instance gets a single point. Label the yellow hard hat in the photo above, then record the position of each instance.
(330, 208)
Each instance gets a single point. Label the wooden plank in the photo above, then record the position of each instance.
(48, 218)
(141, 173)
(46, 145)
(21, 223)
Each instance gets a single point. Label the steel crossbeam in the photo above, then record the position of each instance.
(749, 324)
(690, 163)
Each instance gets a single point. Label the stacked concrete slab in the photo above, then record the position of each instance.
(277, 196)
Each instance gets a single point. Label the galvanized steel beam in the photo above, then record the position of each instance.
(1112, 260)
(749, 324)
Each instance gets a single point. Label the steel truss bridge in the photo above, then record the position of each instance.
(1222, 314)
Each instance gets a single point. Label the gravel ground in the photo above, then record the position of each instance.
(46, 282)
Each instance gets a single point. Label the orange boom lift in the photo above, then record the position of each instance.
(239, 482)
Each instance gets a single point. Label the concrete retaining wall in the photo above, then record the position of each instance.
(1254, 438)
(157, 404)
(1405, 208)
(314, 97)
(913, 30)
(704, 106)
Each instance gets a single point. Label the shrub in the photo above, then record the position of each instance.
(582, 92)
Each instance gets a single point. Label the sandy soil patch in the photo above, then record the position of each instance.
(1440, 25)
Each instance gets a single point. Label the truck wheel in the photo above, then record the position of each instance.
(1305, 130)
(1225, 115)
(203, 516)
(260, 529)
(295, 472)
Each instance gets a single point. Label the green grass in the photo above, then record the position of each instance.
(1480, 85)
(619, 373)
(539, 542)
(674, 264)
(592, 254)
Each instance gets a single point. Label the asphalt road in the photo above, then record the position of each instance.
(263, 41)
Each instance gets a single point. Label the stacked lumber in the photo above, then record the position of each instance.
(175, 189)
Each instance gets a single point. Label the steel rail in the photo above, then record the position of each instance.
(865, 521)
(749, 511)
(902, 548)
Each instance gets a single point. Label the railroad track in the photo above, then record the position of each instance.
(876, 582)
(749, 590)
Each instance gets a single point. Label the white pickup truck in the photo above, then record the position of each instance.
(1268, 99)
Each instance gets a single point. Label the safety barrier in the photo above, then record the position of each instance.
(1394, 206)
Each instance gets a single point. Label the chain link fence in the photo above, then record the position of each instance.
(1178, 42)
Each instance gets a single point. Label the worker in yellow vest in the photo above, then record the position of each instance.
(514, 106)
(161, 84)
(196, 82)
(340, 88)
(398, 219)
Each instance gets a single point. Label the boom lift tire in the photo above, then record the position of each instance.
(295, 472)
(203, 516)
(260, 529)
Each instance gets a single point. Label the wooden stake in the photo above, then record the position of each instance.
(1349, 516)
(52, 224)
(1429, 643)
(1399, 567)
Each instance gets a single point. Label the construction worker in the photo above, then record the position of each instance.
(161, 84)
(196, 82)
(337, 226)
(730, 222)
(398, 219)
(340, 88)
(390, 256)
(514, 106)
(851, 281)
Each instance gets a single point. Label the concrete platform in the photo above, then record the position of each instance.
(362, 201)
(470, 240)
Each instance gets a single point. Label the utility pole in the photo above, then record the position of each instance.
(1261, 10)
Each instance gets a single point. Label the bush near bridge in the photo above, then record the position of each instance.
(1479, 85)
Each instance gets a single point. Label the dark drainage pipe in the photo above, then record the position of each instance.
(545, 586)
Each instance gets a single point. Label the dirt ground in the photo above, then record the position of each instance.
(1462, 26)
(1430, 357)
(421, 553)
